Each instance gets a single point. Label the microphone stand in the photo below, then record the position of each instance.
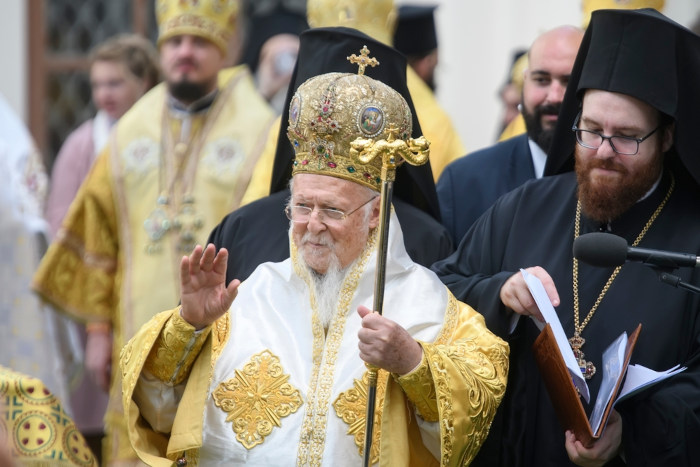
(666, 277)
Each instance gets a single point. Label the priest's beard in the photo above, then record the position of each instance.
(326, 287)
(188, 91)
(533, 123)
(605, 198)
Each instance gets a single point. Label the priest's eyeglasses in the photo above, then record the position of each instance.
(302, 214)
(626, 145)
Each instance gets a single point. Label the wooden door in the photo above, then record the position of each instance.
(61, 35)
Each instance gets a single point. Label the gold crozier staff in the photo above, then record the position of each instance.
(393, 153)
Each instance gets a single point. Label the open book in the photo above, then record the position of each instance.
(564, 380)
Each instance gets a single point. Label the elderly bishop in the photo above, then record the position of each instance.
(273, 371)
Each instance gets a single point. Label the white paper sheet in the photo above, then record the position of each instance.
(551, 318)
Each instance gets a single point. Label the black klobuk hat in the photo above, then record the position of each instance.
(643, 54)
(325, 50)
(415, 33)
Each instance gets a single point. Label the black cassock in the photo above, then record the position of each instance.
(534, 226)
(258, 232)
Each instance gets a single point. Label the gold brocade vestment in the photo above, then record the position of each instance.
(99, 268)
(266, 385)
(40, 432)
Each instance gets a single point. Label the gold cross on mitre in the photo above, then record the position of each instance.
(363, 60)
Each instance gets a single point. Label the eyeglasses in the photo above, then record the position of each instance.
(620, 144)
(302, 214)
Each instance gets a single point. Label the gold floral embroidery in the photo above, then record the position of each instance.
(257, 398)
(480, 367)
(221, 329)
(351, 407)
(442, 387)
(133, 356)
(483, 363)
(419, 385)
(419, 388)
(175, 350)
(450, 323)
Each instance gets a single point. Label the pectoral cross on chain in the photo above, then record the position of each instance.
(587, 368)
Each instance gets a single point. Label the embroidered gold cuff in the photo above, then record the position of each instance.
(418, 386)
(175, 350)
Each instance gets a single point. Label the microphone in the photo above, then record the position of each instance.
(607, 250)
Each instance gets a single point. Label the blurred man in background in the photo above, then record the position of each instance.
(177, 162)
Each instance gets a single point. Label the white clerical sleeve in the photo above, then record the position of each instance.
(157, 401)
(162, 382)
(430, 434)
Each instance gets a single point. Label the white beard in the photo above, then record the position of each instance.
(326, 287)
(326, 290)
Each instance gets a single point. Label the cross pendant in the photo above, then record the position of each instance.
(587, 368)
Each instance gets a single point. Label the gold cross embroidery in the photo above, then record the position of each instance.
(351, 407)
(363, 60)
(257, 398)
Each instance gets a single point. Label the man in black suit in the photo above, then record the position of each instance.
(470, 185)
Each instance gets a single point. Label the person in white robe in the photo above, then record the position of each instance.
(273, 371)
(35, 340)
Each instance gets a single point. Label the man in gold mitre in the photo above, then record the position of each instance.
(275, 377)
(176, 163)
